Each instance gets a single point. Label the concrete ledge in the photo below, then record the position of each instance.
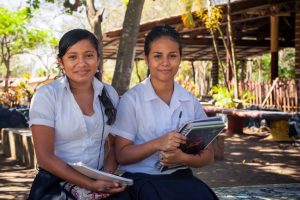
(18, 145)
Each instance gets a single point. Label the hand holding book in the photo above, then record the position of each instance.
(200, 133)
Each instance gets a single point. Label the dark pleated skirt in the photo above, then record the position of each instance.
(177, 186)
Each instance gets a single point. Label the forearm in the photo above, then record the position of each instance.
(132, 153)
(204, 158)
(59, 168)
(110, 163)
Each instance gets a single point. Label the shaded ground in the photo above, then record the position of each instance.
(250, 159)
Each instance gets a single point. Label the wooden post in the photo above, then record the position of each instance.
(297, 50)
(274, 47)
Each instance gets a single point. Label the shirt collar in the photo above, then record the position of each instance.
(179, 93)
(97, 85)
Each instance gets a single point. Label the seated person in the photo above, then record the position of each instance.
(70, 119)
(147, 120)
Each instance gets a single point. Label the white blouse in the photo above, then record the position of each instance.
(54, 105)
(142, 116)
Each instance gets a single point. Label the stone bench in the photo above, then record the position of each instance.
(17, 144)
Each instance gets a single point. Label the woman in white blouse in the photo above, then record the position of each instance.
(147, 119)
(70, 120)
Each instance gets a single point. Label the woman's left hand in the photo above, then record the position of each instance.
(174, 157)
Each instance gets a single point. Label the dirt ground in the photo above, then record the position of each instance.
(250, 159)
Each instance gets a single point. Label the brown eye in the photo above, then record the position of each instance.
(72, 57)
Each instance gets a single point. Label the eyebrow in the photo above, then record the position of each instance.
(158, 52)
(72, 52)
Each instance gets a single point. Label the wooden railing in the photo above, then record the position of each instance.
(281, 94)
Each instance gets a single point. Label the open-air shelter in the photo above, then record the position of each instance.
(260, 26)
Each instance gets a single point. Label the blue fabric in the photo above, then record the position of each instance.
(177, 186)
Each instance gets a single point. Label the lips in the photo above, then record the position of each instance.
(82, 72)
(164, 70)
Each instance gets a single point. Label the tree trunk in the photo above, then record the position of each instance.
(7, 76)
(122, 74)
(95, 20)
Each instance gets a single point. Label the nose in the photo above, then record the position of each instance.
(81, 60)
(165, 61)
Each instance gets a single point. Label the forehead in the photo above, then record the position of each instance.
(164, 43)
(82, 45)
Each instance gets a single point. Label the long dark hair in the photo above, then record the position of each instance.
(69, 39)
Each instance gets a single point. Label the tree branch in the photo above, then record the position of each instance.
(74, 6)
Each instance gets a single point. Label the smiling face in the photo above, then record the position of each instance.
(80, 62)
(163, 59)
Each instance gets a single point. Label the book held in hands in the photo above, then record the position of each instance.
(200, 133)
(99, 175)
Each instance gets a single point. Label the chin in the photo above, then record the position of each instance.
(81, 79)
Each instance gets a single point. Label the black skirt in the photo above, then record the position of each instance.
(179, 185)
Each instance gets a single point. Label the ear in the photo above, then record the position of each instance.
(60, 62)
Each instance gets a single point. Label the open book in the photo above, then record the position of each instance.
(200, 133)
(99, 175)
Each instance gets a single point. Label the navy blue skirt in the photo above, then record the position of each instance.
(179, 185)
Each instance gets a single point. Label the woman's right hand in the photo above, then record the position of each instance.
(110, 187)
(171, 141)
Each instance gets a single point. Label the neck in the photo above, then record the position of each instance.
(163, 89)
(80, 87)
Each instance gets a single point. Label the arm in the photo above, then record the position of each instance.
(127, 152)
(43, 137)
(110, 163)
(176, 157)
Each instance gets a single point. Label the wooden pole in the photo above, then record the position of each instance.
(274, 47)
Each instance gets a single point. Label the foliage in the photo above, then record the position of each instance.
(9, 98)
(16, 36)
(187, 17)
(185, 78)
(287, 63)
(15, 33)
(139, 72)
(224, 97)
(18, 95)
(211, 16)
(70, 7)
(187, 83)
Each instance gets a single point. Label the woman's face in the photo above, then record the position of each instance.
(163, 59)
(80, 62)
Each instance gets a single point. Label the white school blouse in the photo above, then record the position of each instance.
(54, 105)
(142, 116)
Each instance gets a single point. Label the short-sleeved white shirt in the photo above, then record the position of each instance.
(54, 105)
(142, 116)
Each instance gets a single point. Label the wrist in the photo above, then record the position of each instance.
(185, 159)
(156, 144)
(90, 185)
